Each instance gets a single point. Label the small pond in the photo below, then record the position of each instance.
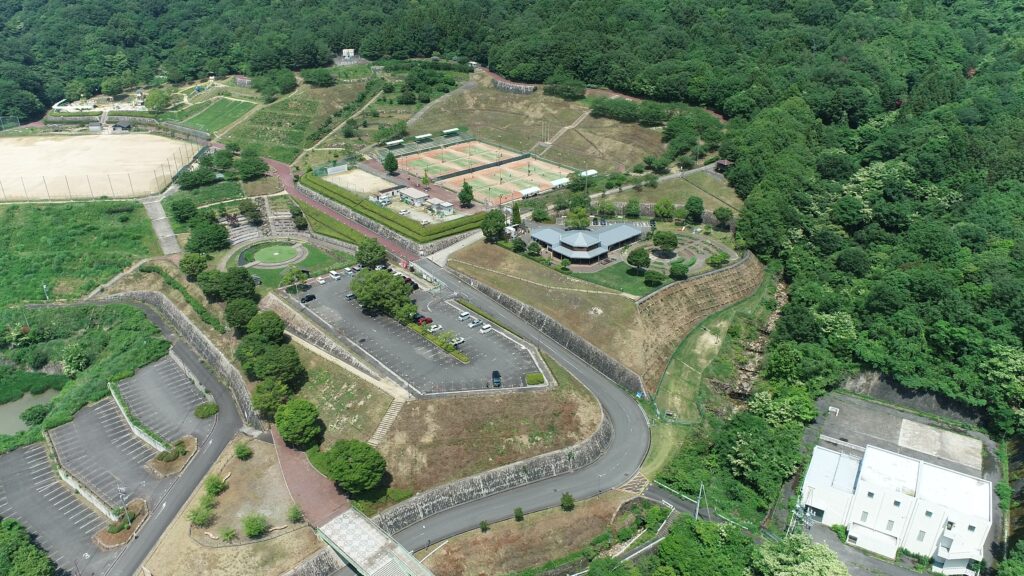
(9, 421)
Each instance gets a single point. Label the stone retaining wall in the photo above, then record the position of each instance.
(188, 374)
(541, 467)
(381, 229)
(322, 563)
(586, 351)
(202, 345)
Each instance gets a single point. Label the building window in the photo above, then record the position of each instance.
(970, 528)
(927, 513)
(896, 503)
(852, 539)
(888, 525)
(950, 525)
(864, 516)
(871, 494)
(920, 535)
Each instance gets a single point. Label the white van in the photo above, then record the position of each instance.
(485, 328)
(334, 274)
(463, 316)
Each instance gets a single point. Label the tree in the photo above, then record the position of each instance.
(466, 195)
(665, 241)
(354, 466)
(19, 555)
(250, 167)
(723, 215)
(196, 178)
(272, 83)
(251, 212)
(611, 567)
(379, 291)
(266, 327)
(577, 219)
(182, 208)
(298, 422)
(255, 526)
(278, 363)
(239, 312)
(243, 451)
(540, 213)
(678, 270)
(796, 555)
(192, 264)
(391, 163)
(320, 77)
(370, 253)
(207, 237)
(518, 513)
(694, 210)
(516, 217)
(717, 260)
(157, 100)
(632, 209)
(639, 259)
(654, 278)
(493, 225)
(533, 249)
(568, 503)
(268, 396)
(519, 245)
(664, 209)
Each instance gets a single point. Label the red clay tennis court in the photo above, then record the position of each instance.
(448, 159)
(500, 184)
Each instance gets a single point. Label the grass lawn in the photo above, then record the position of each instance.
(219, 192)
(665, 440)
(219, 115)
(350, 407)
(606, 145)
(427, 447)
(681, 387)
(282, 129)
(322, 223)
(70, 247)
(317, 262)
(711, 188)
(262, 186)
(183, 114)
(275, 254)
(619, 276)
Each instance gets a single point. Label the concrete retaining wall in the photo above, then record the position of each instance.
(589, 353)
(210, 354)
(188, 374)
(377, 227)
(77, 486)
(154, 443)
(322, 563)
(497, 480)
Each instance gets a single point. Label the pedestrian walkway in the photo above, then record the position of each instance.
(311, 490)
(386, 422)
(161, 225)
(368, 548)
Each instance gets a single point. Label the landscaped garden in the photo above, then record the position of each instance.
(317, 261)
(68, 248)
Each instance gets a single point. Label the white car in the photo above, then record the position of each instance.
(435, 328)
(321, 281)
(334, 274)
(403, 212)
(485, 328)
(463, 316)
(474, 322)
(457, 341)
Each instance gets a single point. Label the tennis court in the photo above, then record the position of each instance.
(500, 184)
(448, 159)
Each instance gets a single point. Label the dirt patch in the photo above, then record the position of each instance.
(254, 486)
(163, 469)
(510, 546)
(360, 181)
(90, 166)
(427, 446)
(107, 540)
(350, 407)
(262, 187)
(606, 144)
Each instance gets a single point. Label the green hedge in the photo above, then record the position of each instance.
(196, 305)
(323, 224)
(131, 113)
(138, 423)
(407, 227)
(72, 114)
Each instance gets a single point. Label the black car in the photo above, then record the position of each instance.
(496, 379)
(307, 298)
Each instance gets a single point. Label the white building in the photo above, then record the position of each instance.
(440, 207)
(412, 196)
(888, 501)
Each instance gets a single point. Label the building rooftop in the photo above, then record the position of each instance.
(413, 193)
(579, 239)
(834, 469)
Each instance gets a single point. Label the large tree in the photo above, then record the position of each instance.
(19, 556)
(638, 258)
(390, 163)
(493, 225)
(207, 237)
(192, 264)
(665, 241)
(354, 466)
(796, 555)
(298, 422)
(382, 292)
(466, 195)
(370, 253)
(577, 219)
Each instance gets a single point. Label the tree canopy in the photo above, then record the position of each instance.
(354, 466)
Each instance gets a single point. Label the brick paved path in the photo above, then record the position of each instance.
(314, 493)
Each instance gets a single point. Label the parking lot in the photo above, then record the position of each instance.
(163, 398)
(31, 492)
(100, 451)
(424, 367)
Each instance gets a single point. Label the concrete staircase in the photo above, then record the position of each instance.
(241, 233)
(385, 424)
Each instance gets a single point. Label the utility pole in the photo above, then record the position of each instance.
(700, 494)
(46, 293)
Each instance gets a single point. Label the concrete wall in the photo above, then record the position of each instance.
(154, 443)
(589, 353)
(494, 481)
(75, 485)
(381, 229)
(210, 354)
(322, 563)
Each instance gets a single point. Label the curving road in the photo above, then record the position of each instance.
(626, 451)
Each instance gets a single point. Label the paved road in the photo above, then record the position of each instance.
(161, 225)
(228, 423)
(626, 452)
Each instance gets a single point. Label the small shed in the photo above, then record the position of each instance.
(560, 183)
(122, 127)
(243, 81)
(588, 173)
(412, 196)
(722, 165)
(440, 207)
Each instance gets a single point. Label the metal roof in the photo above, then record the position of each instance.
(580, 239)
(610, 235)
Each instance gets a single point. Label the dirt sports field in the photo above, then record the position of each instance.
(360, 181)
(92, 166)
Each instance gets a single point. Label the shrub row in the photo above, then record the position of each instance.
(439, 342)
(135, 421)
(324, 224)
(405, 226)
(196, 305)
(72, 114)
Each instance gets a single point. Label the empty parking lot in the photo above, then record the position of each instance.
(163, 398)
(31, 492)
(420, 364)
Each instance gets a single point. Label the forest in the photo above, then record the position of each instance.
(878, 144)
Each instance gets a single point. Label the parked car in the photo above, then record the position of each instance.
(348, 269)
(350, 296)
(357, 267)
(424, 320)
(485, 328)
(334, 274)
(435, 328)
(307, 298)
(474, 322)
(321, 281)
(379, 267)
(457, 340)
(463, 316)
(496, 379)
(403, 212)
